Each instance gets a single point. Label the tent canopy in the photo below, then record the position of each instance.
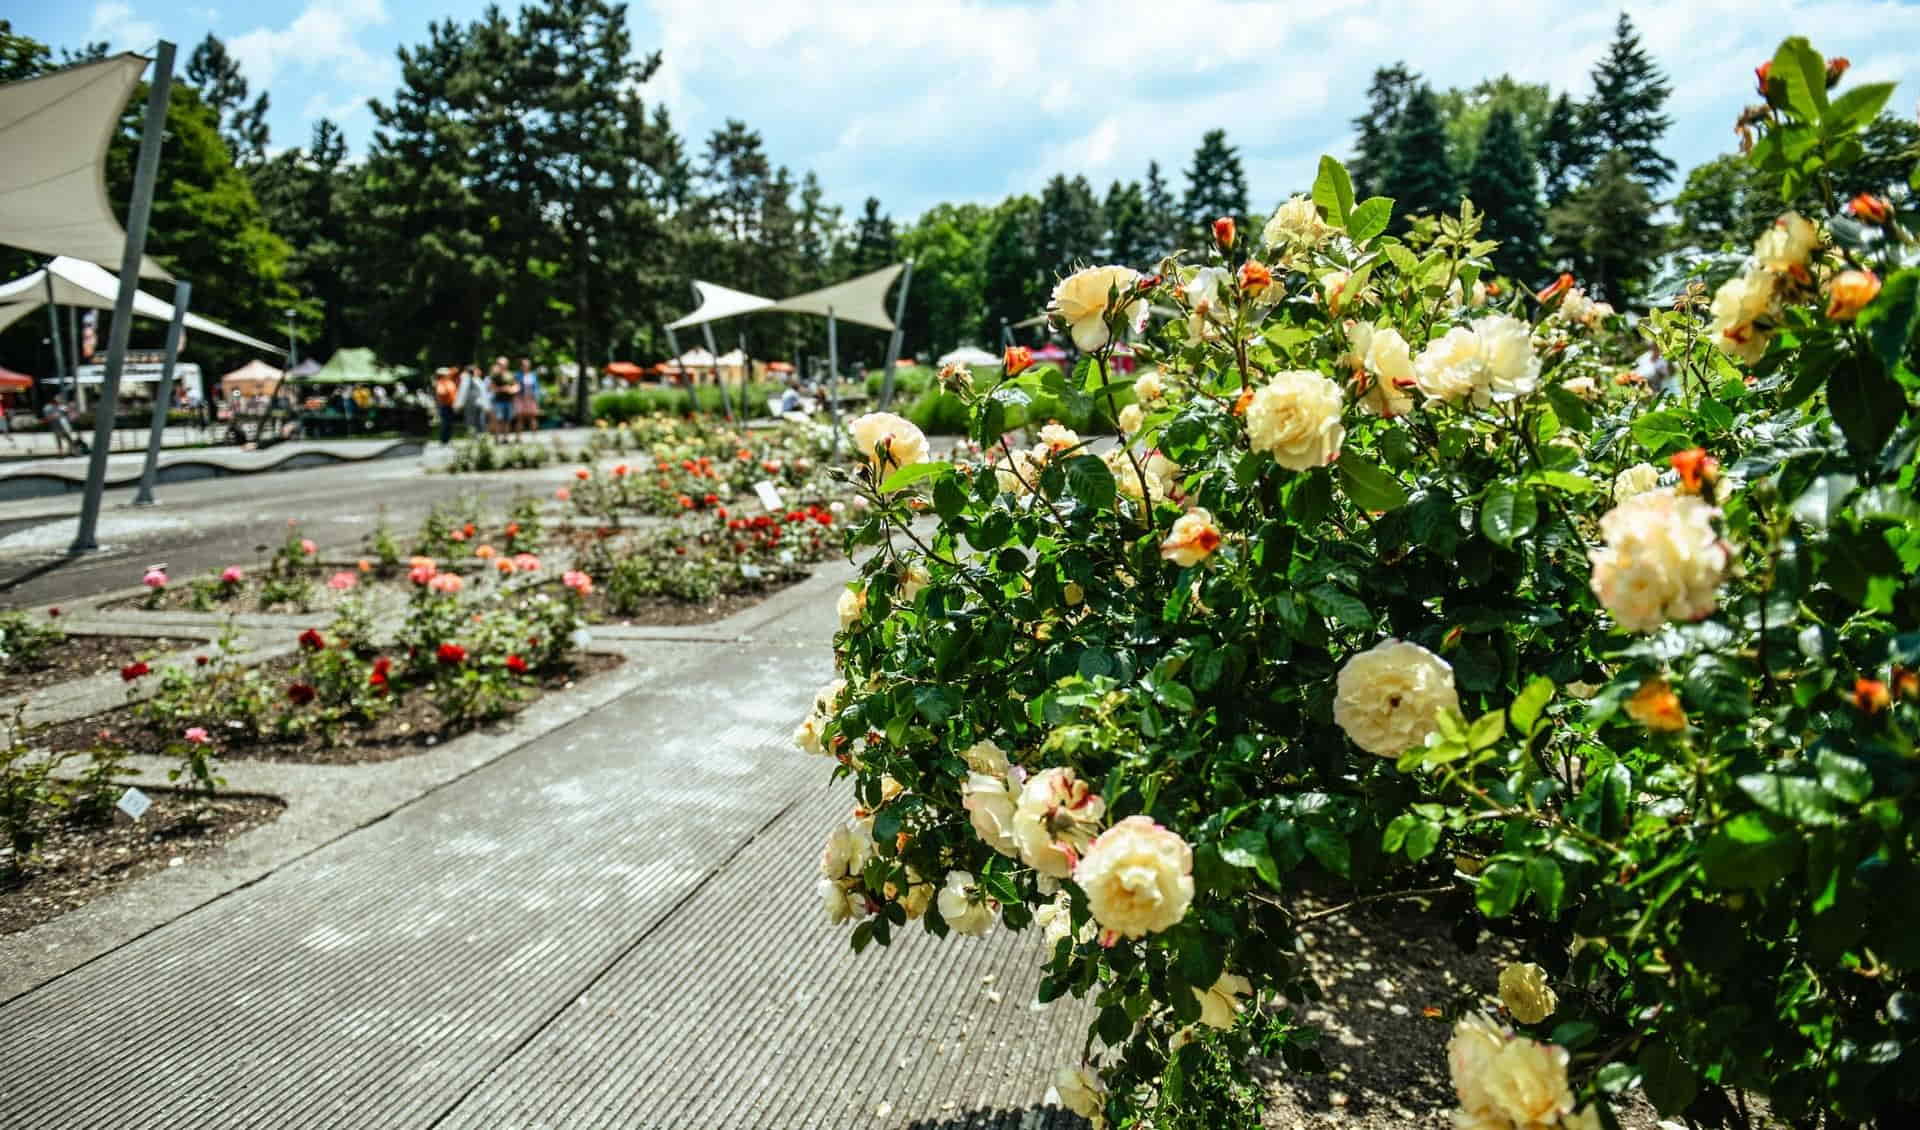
(54, 132)
(969, 355)
(717, 302)
(862, 301)
(77, 282)
(353, 367)
(11, 381)
(255, 370)
(695, 358)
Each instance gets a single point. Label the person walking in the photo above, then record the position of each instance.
(446, 394)
(506, 388)
(526, 405)
(471, 401)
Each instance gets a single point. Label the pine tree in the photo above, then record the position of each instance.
(1129, 234)
(217, 75)
(874, 245)
(1624, 115)
(1069, 227)
(1163, 214)
(1373, 152)
(1564, 152)
(1604, 231)
(1216, 185)
(1420, 181)
(1016, 283)
(1500, 184)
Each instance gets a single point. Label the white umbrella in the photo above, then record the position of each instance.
(969, 355)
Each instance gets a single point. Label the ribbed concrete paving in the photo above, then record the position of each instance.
(612, 927)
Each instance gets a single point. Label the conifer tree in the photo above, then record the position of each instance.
(1420, 180)
(1129, 237)
(1070, 224)
(1163, 214)
(1216, 185)
(1564, 151)
(1501, 186)
(1374, 150)
(1625, 113)
(1604, 231)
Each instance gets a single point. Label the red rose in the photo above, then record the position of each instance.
(200, 661)
(1223, 231)
(711, 499)
(312, 640)
(451, 653)
(300, 693)
(54, 612)
(516, 665)
(134, 670)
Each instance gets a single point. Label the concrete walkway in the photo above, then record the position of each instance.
(611, 925)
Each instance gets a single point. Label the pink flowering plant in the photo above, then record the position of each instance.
(1371, 606)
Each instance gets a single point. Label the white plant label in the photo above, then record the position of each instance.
(769, 496)
(134, 803)
(750, 571)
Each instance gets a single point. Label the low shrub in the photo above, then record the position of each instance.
(26, 642)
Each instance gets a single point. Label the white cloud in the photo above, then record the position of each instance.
(323, 38)
(959, 99)
(116, 24)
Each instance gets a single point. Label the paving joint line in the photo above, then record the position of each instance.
(554, 1014)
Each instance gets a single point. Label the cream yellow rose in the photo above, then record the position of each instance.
(1149, 387)
(1295, 417)
(1127, 479)
(1192, 540)
(1740, 307)
(965, 907)
(1058, 438)
(852, 606)
(1476, 1040)
(1080, 301)
(888, 442)
(1296, 226)
(1138, 878)
(1508, 366)
(1220, 1005)
(1660, 560)
(1526, 1081)
(1388, 361)
(1448, 368)
(990, 803)
(1637, 479)
(986, 756)
(1131, 417)
(1080, 1091)
(1055, 820)
(1525, 992)
(1202, 293)
(1787, 245)
(1389, 698)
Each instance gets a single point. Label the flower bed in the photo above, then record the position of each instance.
(1398, 584)
(36, 656)
(85, 856)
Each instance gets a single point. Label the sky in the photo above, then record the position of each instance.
(921, 101)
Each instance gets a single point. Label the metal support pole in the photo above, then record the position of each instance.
(53, 317)
(726, 399)
(73, 352)
(746, 380)
(163, 394)
(138, 210)
(893, 343)
(679, 370)
(1006, 336)
(833, 377)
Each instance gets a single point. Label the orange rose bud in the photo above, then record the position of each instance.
(1696, 469)
(1870, 695)
(1870, 209)
(1850, 292)
(1656, 707)
(1246, 399)
(1018, 360)
(1559, 287)
(1764, 74)
(1906, 682)
(1254, 276)
(1836, 67)
(1223, 231)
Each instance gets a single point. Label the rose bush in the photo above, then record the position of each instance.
(1622, 670)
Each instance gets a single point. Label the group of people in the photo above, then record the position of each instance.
(504, 403)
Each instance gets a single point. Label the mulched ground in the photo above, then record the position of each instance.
(412, 726)
(1379, 967)
(179, 598)
(78, 863)
(82, 656)
(665, 611)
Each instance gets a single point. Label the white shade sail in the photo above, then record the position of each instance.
(717, 302)
(54, 132)
(79, 283)
(969, 355)
(862, 301)
(696, 359)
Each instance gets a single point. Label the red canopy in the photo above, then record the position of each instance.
(779, 367)
(1049, 352)
(11, 381)
(625, 370)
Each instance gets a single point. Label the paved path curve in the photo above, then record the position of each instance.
(612, 926)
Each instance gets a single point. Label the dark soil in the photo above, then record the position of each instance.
(666, 611)
(82, 656)
(78, 862)
(412, 726)
(180, 598)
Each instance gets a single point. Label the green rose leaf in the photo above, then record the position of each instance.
(1369, 218)
(1893, 317)
(1500, 885)
(1333, 191)
(1091, 481)
(1866, 403)
(1548, 884)
(1507, 513)
(1247, 849)
(1571, 410)
(1670, 1084)
(1798, 799)
(1527, 706)
(1663, 432)
(912, 473)
(1370, 487)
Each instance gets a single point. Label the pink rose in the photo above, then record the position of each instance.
(232, 575)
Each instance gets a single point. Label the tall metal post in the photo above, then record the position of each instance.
(163, 394)
(137, 212)
(53, 317)
(726, 399)
(833, 377)
(73, 352)
(1006, 336)
(893, 343)
(679, 370)
(746, 380)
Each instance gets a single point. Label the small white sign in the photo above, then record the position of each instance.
(134, 803)
(769, 496)
(750, 571)
(786, 557)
